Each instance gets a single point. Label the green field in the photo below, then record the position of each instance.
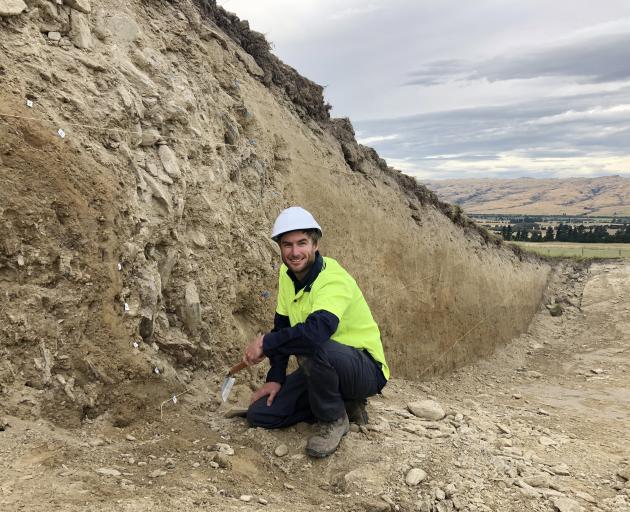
(567, 249)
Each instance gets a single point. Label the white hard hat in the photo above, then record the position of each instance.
(293, 219)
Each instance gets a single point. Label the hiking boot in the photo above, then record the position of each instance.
(356, 412)
(329, 437)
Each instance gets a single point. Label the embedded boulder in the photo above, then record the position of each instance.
(11, 7)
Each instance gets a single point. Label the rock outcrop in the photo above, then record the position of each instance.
(144, 154)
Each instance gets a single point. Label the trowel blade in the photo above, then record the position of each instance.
(226, 388)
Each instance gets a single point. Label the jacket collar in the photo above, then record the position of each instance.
(308, 281)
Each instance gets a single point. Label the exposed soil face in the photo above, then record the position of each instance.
(58, 237)
(135, 252)
(542, 421)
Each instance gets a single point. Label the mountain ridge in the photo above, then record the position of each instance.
(599, 196)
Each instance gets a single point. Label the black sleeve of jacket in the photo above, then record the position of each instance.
(303, 338)
(278, 370)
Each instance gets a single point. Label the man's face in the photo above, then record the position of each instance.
(298, 252)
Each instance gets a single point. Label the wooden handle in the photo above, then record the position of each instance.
(237, 368)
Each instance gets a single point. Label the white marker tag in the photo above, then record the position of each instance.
(126, 307)
(29, 103)
(120, 266)
(174, 399)
(135, 344)
(61, 133)
(156, 370)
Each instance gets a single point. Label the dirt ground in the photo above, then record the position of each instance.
(540, 425)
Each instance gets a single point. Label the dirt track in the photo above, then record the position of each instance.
(544, 418)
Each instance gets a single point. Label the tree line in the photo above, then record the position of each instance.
(565, 233)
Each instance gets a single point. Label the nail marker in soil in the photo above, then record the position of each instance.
(126, 307)
(156, 370)
(135, 344)
(61, 133)
(174, 399)
(29, 103)
(120, 266)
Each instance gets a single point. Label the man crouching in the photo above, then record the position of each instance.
(323, 319)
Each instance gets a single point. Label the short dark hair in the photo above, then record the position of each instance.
(313, 233)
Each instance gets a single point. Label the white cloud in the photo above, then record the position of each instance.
(515, 165)
(377, 138)
(617, 112)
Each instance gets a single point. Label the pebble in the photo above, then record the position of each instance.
(541, 480)
(54, 36)
(439, 494)
(624, 473)
(527, 490)
(567, 505)
(289, 486)
(546, 441)
(503, 428)
(560, 470)
(80, 5)
(169, 162)
(129, 437)
(157, 473)
(551, 493)
(236, 412)
(262, 501)
(459, 503)
(415, 476)
(142, 463)
(281, 450)
(585, 496)
(246, 498)
(222, 460)
(223, 448)
(108, 472)
(427, 409)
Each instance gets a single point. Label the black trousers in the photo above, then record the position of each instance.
(316, 391)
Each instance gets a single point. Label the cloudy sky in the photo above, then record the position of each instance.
(449, 88)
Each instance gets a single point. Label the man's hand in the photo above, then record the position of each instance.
(268, 388)
(254, 351)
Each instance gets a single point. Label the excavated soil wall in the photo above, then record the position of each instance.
(134, 249)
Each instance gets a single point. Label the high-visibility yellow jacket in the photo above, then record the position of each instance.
(332, 291)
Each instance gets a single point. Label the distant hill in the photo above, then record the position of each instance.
(609, 195)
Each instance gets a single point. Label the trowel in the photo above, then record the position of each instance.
(228, 383)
